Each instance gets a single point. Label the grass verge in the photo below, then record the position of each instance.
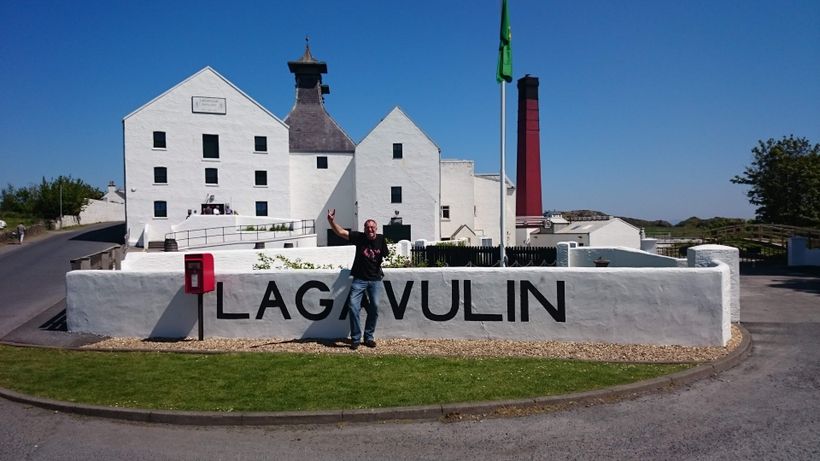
(281, 382)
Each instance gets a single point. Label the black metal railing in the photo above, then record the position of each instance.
(460, 256)
(244, 233)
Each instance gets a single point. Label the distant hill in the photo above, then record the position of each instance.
(694, 221)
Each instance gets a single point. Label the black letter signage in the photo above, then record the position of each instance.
(277, 302)
(326, 303)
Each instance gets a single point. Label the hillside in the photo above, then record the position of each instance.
(692, 222)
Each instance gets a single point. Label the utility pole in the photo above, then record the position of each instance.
(61, 203)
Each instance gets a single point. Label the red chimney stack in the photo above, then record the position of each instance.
(528, 178)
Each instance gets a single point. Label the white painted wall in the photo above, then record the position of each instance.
(417, 173)
(457, 192)
(619, 305)
(620, 257)
(616, 232)
(172, 113)
(487, 219)
(101, 211)
(706, 255)
(314, 191)
(800, 254)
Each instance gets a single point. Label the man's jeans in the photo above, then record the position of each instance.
(357, 289)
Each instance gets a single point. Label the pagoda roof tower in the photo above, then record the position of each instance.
(312, 129)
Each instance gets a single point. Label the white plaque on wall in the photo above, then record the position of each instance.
(205, 105)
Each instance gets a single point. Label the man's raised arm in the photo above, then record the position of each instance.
(337, 229)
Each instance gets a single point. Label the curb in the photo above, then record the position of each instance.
(426, 412)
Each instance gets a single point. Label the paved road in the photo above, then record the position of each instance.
(768, 407)
(32, 275)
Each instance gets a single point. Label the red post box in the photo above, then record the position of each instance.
(199, 273)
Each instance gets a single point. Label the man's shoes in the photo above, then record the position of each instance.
(354, 346)
(370, 343)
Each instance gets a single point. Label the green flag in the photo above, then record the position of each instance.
(504, 71)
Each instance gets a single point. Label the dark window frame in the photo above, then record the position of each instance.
(257, 208)
(160, 140)
(445, 212)
(395, 194)
(160, 209)
(210, 146)
(216, 176)
(398, 150)
(260, 141)
(160, 170)
(321, 162)
(260, 174)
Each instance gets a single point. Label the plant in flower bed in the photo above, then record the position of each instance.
(266, 263)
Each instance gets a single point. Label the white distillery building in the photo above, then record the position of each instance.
(597, 231)
(205, 145)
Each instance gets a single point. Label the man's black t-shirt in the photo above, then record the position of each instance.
(369, 255)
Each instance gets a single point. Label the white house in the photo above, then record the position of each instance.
(397, 176)
(599, 231)
(471, 200)
(487, 197)
(110, 207)
(205, 145)
(201, 145)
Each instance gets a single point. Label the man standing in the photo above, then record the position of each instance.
(21, 232)
(371, 249)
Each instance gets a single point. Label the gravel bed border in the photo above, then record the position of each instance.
(592, 351)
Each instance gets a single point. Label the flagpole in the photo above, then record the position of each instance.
(503, 75)
(502, 174)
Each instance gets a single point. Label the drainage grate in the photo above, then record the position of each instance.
(56, 323)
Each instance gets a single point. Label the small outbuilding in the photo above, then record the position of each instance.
(596, 231)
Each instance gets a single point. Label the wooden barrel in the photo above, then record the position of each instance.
(171, 245)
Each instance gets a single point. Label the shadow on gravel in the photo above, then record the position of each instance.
(330, 343)
(114, 234)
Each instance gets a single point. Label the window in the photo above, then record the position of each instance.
(261, 208)
(321, 163)
(260, 143)
(159, 140)
(210, 146)
(261, 178)
(160, 175)
(395, 194)
(445, 212)
(211, 176)
(160, 209)
(397, 153)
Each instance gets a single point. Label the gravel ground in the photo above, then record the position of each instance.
(604, 352)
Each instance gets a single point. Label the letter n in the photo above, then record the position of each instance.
(558, 314)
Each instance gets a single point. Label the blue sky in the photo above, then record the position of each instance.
(648, 108)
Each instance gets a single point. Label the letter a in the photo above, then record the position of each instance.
(276, 302)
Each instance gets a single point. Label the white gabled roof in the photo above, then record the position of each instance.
(463, 226)
(395, 109)
(590, 226)
(214, 72)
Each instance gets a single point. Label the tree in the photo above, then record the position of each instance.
(43, 201)
(785, 181)
(17, 200)
(75, 194)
